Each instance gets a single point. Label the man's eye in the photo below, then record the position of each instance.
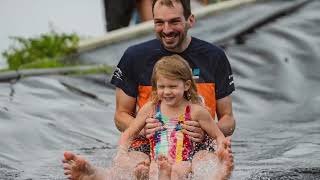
(175, 22)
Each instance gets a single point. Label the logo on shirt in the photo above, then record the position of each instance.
(230, 79)
(196, 73)
(117, 73)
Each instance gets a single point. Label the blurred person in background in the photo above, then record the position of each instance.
(119, 13)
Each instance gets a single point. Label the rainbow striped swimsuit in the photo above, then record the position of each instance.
(170, 141)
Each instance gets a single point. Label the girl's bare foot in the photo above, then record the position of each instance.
(141, 171)
(76, 168)
(225, 158)
(218, 165)
(164, 167)
(130, 165)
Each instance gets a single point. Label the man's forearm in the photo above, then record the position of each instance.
(123, 120)
(227, 125)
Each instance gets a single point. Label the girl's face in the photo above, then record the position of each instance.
(171, 91)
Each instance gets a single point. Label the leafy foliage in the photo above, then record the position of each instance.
(44, 51)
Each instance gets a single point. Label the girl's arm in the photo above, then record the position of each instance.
(207, 123)
(136, 126)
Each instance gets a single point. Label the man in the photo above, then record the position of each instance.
(209, 63)
(211, 69)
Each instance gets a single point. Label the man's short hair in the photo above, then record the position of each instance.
(185, 4)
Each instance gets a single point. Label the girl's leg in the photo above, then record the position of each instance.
(181, 170)
(124, 166)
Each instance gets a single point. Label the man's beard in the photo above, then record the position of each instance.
(175, 45)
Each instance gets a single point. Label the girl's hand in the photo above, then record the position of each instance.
(193, 130)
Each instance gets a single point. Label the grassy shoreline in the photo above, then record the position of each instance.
(10, 75)
(48, 53)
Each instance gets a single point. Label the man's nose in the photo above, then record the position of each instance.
(167, 28)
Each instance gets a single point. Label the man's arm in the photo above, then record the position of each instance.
(125, 108)
(226, 122)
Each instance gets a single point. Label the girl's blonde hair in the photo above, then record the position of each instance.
(174, 67)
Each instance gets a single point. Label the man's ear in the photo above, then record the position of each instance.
(191, 21)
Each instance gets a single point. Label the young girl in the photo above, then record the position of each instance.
(174, 100)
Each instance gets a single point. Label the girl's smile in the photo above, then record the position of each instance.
(171, 92)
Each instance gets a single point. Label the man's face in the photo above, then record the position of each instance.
(170, 26)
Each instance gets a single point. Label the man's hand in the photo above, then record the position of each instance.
(152, 125)
(193, 130)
